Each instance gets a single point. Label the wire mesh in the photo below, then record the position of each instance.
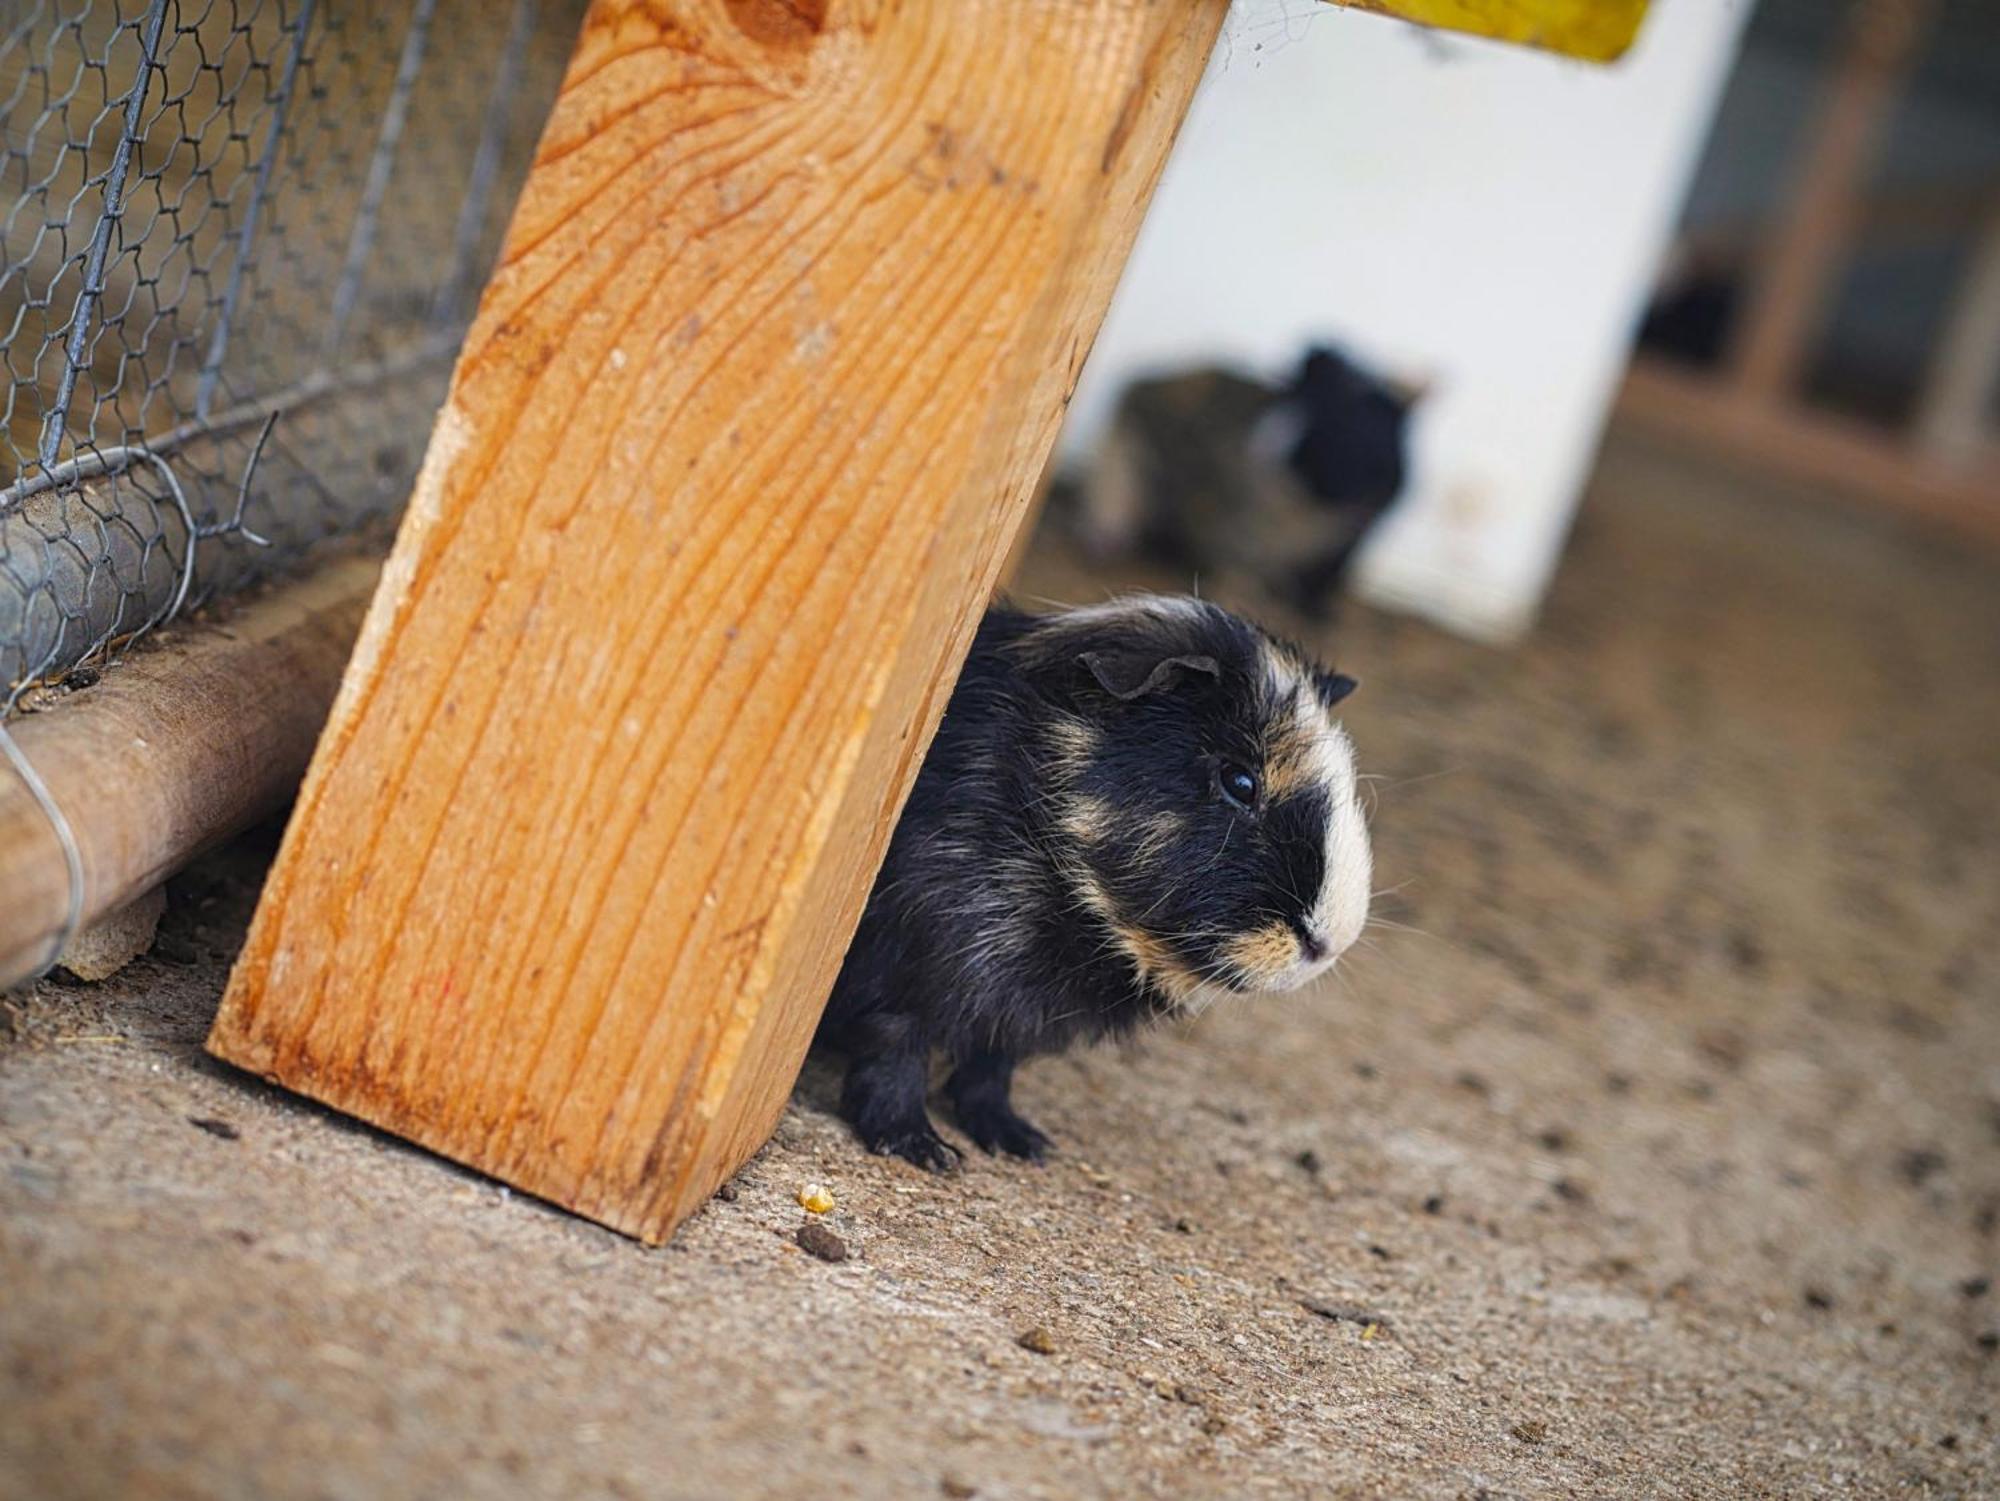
(240, 245)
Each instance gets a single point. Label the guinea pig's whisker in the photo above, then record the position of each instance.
(1155, 906)
(1053, 604)
(1398, 927)
(1220, 850)
(1396, 784)
(1374, 953)
(1292, 890)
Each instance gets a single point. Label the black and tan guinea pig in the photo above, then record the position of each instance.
(1128, 810)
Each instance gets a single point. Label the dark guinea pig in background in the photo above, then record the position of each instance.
(1128, 810)
(1214, 473)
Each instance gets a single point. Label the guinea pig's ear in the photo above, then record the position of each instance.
(1333, 686)
(1128, 675)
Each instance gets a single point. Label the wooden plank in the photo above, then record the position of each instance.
(1954, 411)
(1844, 459)
(1796, 270)
(1595, 30)
(779, 340)
(1884, 217)
(196, 735)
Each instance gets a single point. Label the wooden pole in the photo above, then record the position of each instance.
(1833, 457)
(1954, 422)
(778, 343)
(1797, 270)
(191, 739)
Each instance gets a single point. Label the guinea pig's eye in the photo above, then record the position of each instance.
(1239, 785)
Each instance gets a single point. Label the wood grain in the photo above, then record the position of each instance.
(781, 335)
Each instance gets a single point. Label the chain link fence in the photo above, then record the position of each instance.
(241, 242)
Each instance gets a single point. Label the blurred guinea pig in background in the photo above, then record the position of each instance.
(1223, 476)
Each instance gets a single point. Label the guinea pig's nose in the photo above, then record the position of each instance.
(1311, 946)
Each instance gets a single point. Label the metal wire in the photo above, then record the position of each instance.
(239, 242)
(59, 825)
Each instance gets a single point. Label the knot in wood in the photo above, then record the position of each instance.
(781, 25)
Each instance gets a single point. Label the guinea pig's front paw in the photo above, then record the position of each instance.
(919, 1145)
(994, 1127)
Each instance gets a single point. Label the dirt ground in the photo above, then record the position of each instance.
(1654, 1152)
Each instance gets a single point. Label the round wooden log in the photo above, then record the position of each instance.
(189, 740)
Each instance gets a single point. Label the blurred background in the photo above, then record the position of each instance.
(1793, 210)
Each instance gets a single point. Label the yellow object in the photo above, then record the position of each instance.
(815, 1198)
(1597, 30)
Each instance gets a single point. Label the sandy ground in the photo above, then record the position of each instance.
(1654, 1155)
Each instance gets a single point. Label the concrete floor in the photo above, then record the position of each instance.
(1657, 1154)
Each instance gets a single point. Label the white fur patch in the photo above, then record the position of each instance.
(1340, 911)
(1126, 606)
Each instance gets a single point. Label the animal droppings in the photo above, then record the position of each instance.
(817, 1240)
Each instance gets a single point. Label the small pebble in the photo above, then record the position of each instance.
(1039, 1340)
(1530, 1430)
(816, 1240)
(1919, 1165)
(1976, 1287)
(957, 1489)
(215, 1127)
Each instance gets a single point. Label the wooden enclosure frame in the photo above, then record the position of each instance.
(778, 344)
(1943, 472)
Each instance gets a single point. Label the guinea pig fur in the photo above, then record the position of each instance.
(1128, 809)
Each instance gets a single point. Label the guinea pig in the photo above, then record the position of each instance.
(1216, 472)
(1128, 810)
